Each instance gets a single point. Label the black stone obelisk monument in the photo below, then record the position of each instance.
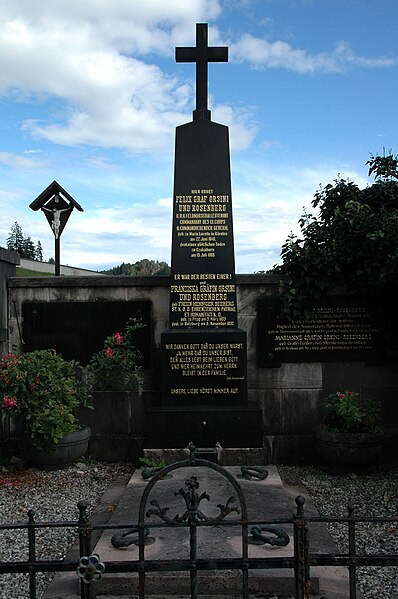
(204, 363)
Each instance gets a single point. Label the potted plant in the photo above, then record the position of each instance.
(117, 367)
(351, 429)
(43, 391)
(116, 377)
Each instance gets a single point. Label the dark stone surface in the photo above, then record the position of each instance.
(78, 329)
(204, 354)
(204, 367)
(231, 427)
(202, 284)
(117, 425)
(343, 329)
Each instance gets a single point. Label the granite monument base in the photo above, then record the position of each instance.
(175, 427)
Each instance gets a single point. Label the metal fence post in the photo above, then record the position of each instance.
(84, 543)
(32, 553)
(301, 551)
(352, 569)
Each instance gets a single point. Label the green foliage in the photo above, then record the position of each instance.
(39, 252)
(23, 245)
(346, 412)
(44, 390)
(152, 463)
(352, 242)
(143, 267)
(87, 461)
(384, 167)
(117, 365)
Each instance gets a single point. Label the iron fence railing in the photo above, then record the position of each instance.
(89, 566)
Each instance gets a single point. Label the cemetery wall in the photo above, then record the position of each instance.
(8, 262)
(288, 393)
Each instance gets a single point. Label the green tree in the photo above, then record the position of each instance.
(149, 267)
(142, 267)
(23, 245)
(39, 252)
(15, 240)
(351, 243)
(28, 249)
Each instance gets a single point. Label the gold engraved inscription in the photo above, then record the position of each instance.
(332, 328)
(202, 222)
(204, 303)
(204, 359)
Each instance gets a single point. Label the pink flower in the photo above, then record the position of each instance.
(9, 402)
(118, 338)
(109, 352)
(349, 392)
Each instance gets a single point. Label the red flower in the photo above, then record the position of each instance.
(9, 402)
(118, 338)
(109, 352)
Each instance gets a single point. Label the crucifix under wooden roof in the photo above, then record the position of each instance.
(57, 205)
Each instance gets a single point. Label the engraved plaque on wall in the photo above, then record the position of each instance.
(341, 328)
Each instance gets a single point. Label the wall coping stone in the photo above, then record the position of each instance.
(9, 256)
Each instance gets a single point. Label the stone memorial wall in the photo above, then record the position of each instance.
(78, 329)
(288, 392)
(339, 329)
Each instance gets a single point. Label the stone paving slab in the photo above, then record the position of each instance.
(265, 499)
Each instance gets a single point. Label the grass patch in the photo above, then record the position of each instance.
(25, 272)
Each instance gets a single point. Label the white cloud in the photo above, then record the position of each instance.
(242, 127)
(89, 56)
(19, 162)
(263, 54)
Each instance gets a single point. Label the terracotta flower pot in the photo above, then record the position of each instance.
(349, 448)
(69, 449)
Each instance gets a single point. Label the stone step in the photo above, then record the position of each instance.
(224, 456)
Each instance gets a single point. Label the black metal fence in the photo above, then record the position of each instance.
(89, 566)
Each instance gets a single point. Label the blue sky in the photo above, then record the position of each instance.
(90, 95)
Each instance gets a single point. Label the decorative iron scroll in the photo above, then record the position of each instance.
(123, 538)
(280, 538)
(249, 472)
(148, 472)
(192, 500)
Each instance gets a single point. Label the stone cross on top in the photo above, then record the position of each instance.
(202, 54)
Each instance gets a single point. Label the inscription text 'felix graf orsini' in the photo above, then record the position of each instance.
(202, 222)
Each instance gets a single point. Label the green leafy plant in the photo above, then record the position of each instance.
(152, 463)
(349, 243)
(44, 391)
(117, 366)
(346, 412)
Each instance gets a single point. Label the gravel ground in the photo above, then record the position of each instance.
(371, 493)
(54, 496)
